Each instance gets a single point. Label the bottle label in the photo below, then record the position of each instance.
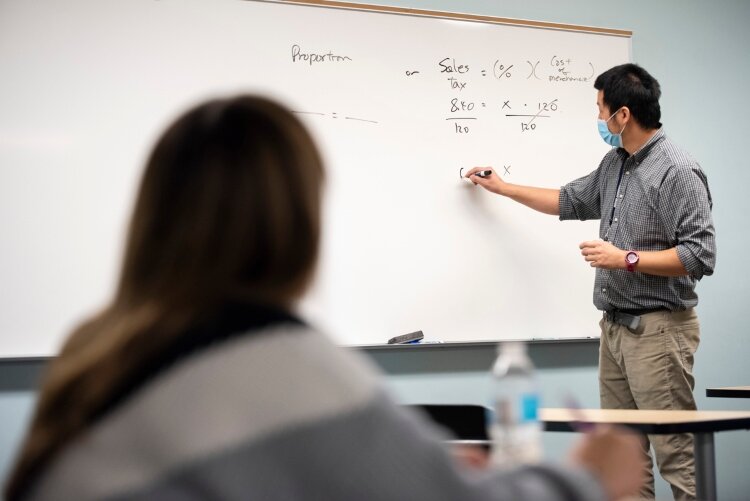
(529, 407)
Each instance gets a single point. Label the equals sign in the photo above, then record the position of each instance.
(484, 105)
(334, 115)
(484, 73)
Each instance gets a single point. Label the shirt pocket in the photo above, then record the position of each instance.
(646, 228)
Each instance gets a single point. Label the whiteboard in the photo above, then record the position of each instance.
(398, 105)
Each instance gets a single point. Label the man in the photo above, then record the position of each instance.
(657, 241)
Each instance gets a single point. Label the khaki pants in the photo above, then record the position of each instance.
(652, 368)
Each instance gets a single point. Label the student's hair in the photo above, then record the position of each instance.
(228, 210)
(632, 86)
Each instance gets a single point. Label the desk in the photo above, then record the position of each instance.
(702, 424)
(729, 392)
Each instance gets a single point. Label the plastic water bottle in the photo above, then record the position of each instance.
(515, 431)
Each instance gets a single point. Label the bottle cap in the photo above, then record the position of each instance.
(511, 347)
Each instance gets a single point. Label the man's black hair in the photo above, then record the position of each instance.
(632, 86)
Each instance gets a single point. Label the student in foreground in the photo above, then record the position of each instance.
(198, 381)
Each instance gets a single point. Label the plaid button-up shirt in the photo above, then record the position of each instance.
(662, 201)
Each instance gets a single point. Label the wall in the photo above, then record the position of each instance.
(698, 51)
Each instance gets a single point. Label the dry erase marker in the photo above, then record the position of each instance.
(481, 173)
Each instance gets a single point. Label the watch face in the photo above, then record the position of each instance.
(632, 257)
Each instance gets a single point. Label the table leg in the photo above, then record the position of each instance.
(705, 466)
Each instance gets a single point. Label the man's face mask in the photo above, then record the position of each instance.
(609, 138)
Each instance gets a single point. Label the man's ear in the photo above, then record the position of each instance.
(625, 114)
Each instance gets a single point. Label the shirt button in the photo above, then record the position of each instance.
(621, 196)
(604, 289)
(627, 172)
(615, 220)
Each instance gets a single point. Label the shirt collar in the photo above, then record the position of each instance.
(229, 321)
(640, 155)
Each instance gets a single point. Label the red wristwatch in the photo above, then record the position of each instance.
(631, 259)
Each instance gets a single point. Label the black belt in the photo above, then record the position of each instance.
(629, 318)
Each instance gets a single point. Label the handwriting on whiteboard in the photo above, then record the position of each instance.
(557, 70)
(316, 57)
(555, 73)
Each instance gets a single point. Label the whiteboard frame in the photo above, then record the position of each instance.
(453, 15)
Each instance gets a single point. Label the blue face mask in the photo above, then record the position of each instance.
(609, 138)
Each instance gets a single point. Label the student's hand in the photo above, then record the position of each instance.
(615, 456)
(491, 183)
(601, 254)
